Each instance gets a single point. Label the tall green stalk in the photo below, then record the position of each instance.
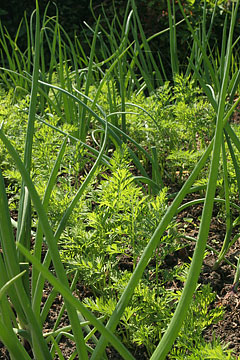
(173, 39)
(24, 213)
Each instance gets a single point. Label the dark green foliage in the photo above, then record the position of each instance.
(153, 16)
(71, 15)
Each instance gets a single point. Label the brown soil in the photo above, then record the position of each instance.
(221, 280)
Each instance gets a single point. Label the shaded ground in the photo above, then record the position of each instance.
(221, 281)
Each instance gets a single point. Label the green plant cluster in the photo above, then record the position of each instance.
(117, 221)
(13, 112)
(176, 119)
(89, 142)
(181, 125)
(107, 234)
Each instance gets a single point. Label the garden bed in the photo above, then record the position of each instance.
(220, 280)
